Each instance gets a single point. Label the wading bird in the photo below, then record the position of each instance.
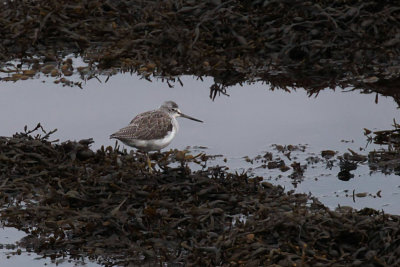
(152, 130)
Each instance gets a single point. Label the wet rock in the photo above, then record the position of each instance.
(345, 175)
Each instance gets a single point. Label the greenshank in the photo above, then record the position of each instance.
(152, 130)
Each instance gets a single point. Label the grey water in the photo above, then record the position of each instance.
(245, 123)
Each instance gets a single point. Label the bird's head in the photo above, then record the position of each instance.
(172, 108)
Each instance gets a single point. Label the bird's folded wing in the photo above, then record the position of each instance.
(146, 126)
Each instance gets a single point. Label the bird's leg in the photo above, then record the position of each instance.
(149, 162)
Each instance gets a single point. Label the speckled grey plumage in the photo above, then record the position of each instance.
(152, 130)
(148, 125)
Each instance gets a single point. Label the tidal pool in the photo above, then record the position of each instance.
(245, 123)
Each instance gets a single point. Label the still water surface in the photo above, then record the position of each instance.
(246, 123)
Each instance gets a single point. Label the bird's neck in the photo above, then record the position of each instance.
(175, 124)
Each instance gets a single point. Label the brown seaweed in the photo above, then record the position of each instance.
(310, 44)
(73, 201)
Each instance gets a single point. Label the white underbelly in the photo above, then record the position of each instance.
(154, 144)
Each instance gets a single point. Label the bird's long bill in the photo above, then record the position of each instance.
(188, 117)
